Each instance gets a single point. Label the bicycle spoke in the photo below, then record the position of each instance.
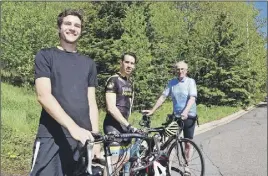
(180, 159)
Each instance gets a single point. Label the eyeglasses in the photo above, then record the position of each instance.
(180, 68)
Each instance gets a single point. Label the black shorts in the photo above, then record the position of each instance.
(189, 127)
(54, 157)
(117, 130)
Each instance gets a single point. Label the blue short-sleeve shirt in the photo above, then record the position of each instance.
(180, 92)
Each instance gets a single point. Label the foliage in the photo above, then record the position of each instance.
(220, 41)
(225, 51)
(26, 28)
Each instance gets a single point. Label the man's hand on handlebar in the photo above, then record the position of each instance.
(81, 134)
(132, 129)
(147, 112)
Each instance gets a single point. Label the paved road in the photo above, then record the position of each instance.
(238, 148)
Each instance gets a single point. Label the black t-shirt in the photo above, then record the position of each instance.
(122, 87)
(70, 74)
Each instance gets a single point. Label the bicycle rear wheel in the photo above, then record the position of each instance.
(181, 161)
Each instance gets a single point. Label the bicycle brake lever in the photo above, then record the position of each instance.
(89, 154)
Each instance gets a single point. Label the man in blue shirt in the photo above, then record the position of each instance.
(183, 92)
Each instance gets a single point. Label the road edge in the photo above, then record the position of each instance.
(213, 124)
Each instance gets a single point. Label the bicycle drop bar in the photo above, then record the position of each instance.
(111, 137)
(89, 145)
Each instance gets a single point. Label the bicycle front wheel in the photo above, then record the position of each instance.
(185, 158)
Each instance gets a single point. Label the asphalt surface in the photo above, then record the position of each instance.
(238, 148)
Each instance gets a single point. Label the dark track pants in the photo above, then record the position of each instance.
(54, 157)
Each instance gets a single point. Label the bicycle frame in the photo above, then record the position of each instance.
(176, 141)
(165, 140)
(106, 139)
(108, 158)
(165, 143)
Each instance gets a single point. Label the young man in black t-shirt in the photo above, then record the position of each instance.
(119, 98)
(65, 83)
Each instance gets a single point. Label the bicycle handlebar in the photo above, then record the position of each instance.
(146, 120)
(104, 138)
(111, 136)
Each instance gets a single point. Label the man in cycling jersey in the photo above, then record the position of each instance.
(183, 92)
(119, 99)
(65, 82)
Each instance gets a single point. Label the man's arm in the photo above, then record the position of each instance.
(94, 112)
(53, 108)
(113, 110)
(158, 103)
(190, 103)
(192, 94)
(94, 118)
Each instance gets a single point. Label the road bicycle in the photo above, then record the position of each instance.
(161, 154)
(85, 161)
(175, 159)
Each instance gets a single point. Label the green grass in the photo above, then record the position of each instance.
(20, 117)
(207, 114)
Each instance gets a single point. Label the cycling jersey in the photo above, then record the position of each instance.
(123, 89)
(180, 92)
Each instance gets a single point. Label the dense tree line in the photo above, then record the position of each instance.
(220, 41)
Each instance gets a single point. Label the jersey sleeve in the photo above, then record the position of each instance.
(192, 88)
(110, 86)
(167, 90)
(92, 77)
(42, 67)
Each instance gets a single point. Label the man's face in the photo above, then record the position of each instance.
(181, 70)
(127, 65)
(70, 29)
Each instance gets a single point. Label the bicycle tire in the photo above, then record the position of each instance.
(181, 143)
